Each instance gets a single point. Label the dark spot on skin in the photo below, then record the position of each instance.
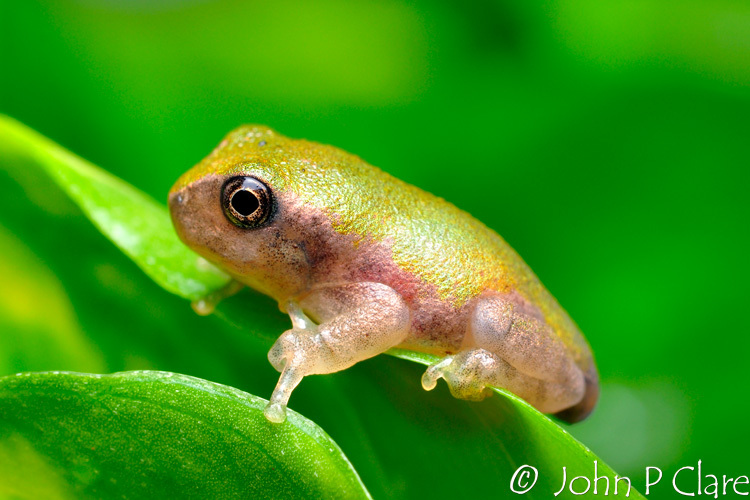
(301, 245)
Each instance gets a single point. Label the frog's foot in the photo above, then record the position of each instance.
(291, 355)
(468, 374)
(206, 304)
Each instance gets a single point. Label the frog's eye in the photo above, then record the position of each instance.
(246, 201)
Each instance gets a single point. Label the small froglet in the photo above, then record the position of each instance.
(363, 262)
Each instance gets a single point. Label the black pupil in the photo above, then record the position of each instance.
(244, 202)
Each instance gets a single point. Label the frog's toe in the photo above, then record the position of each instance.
(435, 372)
(275, 412)
(467, 374)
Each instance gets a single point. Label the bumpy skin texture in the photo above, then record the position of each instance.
(364, 262)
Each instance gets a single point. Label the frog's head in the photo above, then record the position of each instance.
(236, 209)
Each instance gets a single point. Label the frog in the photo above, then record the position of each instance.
(363, 263)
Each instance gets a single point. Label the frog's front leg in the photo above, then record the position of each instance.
(352, 322)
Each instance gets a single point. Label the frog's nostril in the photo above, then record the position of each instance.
(176, 199)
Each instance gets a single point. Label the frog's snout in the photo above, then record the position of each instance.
(178, 201)
(195, 216)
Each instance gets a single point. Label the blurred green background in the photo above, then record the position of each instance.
(608, 142)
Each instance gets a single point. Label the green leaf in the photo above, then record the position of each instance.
(158, 435)
(134, 222)
(397, 435)
(530, 437)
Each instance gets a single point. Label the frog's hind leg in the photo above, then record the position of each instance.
(471, 373)
(512, 348)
